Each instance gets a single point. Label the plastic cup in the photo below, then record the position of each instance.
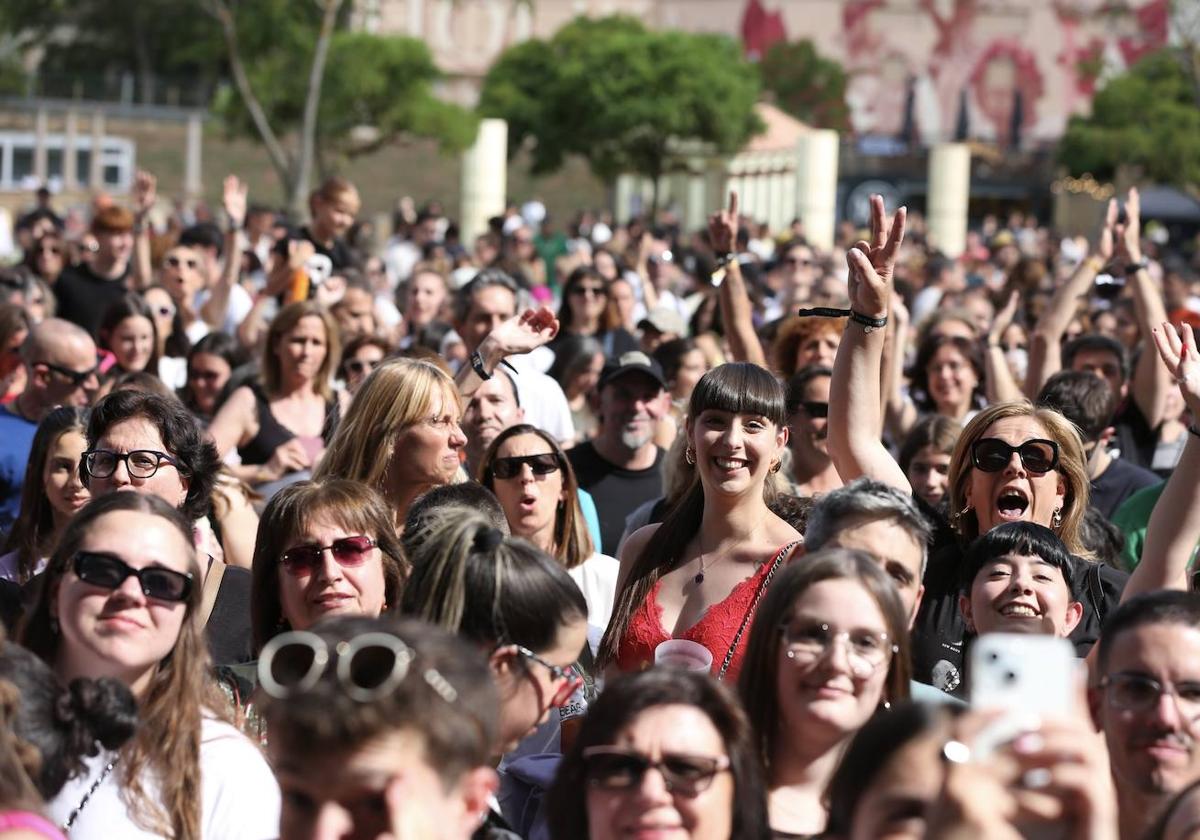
(684, 655)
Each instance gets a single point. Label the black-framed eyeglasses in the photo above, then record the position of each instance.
(109, 571)
(368, 666)
(616, 768)
(543, 464)
(807, 642)
(816, 410)
(348, 551)
(1140, 693)
(140, 463)
(77, 377)
(993, 455)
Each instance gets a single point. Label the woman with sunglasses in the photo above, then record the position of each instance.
(210, 365)
(1013, 462)
(661, 753)
(51, 494)
(514, 602)
(379, 728)
(173, 343)
(361, 355)
(535, 483)
(323, 548)
(829, 647)
(151, 445)
(47, 256)
(119, 600)
(402, 434)
(585, 311)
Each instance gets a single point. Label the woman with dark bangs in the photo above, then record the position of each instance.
(699, 574)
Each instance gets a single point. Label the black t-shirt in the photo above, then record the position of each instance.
(1134, 437)
(1117, 483)
(338, 253)
(939, 633)
(84, 298)
(230, 639)
(616, 491)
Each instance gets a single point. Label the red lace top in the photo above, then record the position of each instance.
(715, 629)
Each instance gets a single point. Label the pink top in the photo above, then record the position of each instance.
(715, 629)
(31, 821)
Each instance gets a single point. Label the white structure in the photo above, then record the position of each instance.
(484, 179)
(816, 186)
(949, 192)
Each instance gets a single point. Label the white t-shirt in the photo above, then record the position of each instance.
(239, 794)
(543, 399)
(597, 579)
(238, 307)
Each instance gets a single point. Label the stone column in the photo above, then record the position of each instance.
(816, 185)
(96, 176)
(949, 193)
(70, 137)
(696, 206)
(623, 192)
(192, 184)
(484, 178)
(41, 170)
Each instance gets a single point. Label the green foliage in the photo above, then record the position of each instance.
(621, 96)
(1148, 118)
(806, 85)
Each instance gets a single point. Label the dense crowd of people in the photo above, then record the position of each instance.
(618, 530)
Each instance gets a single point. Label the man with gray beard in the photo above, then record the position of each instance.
(621, 467)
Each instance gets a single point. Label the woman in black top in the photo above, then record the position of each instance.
(585, 310)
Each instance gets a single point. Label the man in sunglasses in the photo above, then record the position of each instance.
(60, 369)
(808, 426)
(1145, 698)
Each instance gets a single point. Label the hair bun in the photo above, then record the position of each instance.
(487, 538)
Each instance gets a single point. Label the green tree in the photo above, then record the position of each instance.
(624, 98)
(806, 85)
(1147, 118)
(298, 75)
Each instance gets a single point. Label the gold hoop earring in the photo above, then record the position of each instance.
(775, 467)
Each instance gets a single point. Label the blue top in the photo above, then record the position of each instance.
(16, 441)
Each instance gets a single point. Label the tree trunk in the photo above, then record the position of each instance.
(298, 200)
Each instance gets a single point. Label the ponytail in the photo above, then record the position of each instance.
(471, 579)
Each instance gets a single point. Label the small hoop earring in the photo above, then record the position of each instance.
(775, 466)
(791, 654)
(689, 455)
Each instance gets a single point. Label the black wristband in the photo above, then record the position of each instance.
(867, 323)
(477, 366)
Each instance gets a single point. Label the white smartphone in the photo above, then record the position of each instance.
(1028, 677)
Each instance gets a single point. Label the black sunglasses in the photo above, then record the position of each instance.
(176, 262)
(543, 464)
(77, 377)
(360, 366)
(348, 551)
(816, 410)
(110, 572)
(993, 455)
(614, 768)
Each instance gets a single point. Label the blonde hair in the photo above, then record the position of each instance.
(1072, 466)
(284, 323)
(398, 394)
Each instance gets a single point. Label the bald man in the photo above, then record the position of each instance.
(60, 370)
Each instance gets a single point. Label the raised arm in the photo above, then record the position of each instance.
(518, 335)
(899, 413)
(1174, 527)
(145, 193)
(1001, 386)
(736, 313)
(1045, 342)
(1151, 381)
(234, 199)
(854, 400)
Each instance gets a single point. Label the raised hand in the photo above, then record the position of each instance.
(234, 200)
(873, 263)
(1004, 318)
(145, 193)
(525, 332)
(1129, 235)
(723, 226)
(1108, 232)
(1182, 359)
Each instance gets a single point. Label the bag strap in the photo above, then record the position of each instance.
(762, 585)
(212, 584)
